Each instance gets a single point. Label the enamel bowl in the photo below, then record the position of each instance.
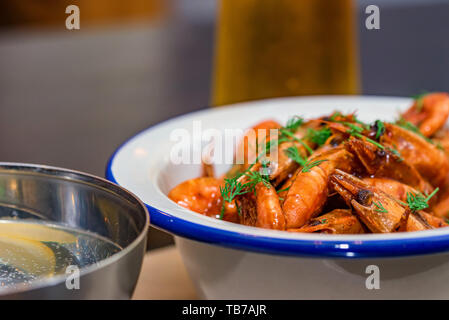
(231, 261)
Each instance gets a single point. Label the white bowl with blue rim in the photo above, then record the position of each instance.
(232, 261)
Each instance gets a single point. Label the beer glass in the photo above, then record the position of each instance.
(273, 48)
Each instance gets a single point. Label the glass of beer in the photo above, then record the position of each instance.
(274, 48)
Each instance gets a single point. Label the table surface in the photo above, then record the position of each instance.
(164, 276)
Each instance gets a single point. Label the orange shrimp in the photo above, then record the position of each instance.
(202, 195)
(418, 221)
(376, 209)
(441, 138)
(394, 188)
(441, 208)
(429, 113)
(431, 162)
(338, 221)
(282, 163)
(309, 191)
(269, 212)
(384, 163)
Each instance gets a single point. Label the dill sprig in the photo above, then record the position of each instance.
(293, 153)
(282, 190)
(318, 136)
(294, 123)
(310, 164)
(285, 132)
(380, 128)
(418, 201)
(335, 115)
(232, 188)
(357, 132)
(254, 178)
(380, 207)
(352, 128)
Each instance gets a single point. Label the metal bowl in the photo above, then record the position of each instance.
(85, 202)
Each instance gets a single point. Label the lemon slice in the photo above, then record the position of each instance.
(29, 256)
(34, 232)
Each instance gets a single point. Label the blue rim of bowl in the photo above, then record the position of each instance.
(362, 248)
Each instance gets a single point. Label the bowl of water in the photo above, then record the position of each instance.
(68, 235)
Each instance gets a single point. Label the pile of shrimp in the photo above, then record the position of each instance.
(337, 175)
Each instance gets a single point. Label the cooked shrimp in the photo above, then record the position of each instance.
(429, 113)
(309, 191)
(394, 188)
(431, 162)
(202, 195)
(435, 222)
(441, 139)
(387, 174)
(338, 221)
(384, 163)
(418, 221)
(247, 209)
(378, 211)
(269, 212)
(282, 163)
(441, 208)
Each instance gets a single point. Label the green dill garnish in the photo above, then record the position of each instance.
(396, 153)
(380, 128)
(294, 123)
(356, 132)
(293, 153)
(353, 128)
(318, 136)
(323, 221)
(358, 135)
(380, 207)
(282, 190)
(417, 202)
(408, 126)
(255, 177)
(363, 124)
(233, 188)
(310, 164)
(285, 132)
(335, 115)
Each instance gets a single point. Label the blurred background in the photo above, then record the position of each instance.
(69, 98)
